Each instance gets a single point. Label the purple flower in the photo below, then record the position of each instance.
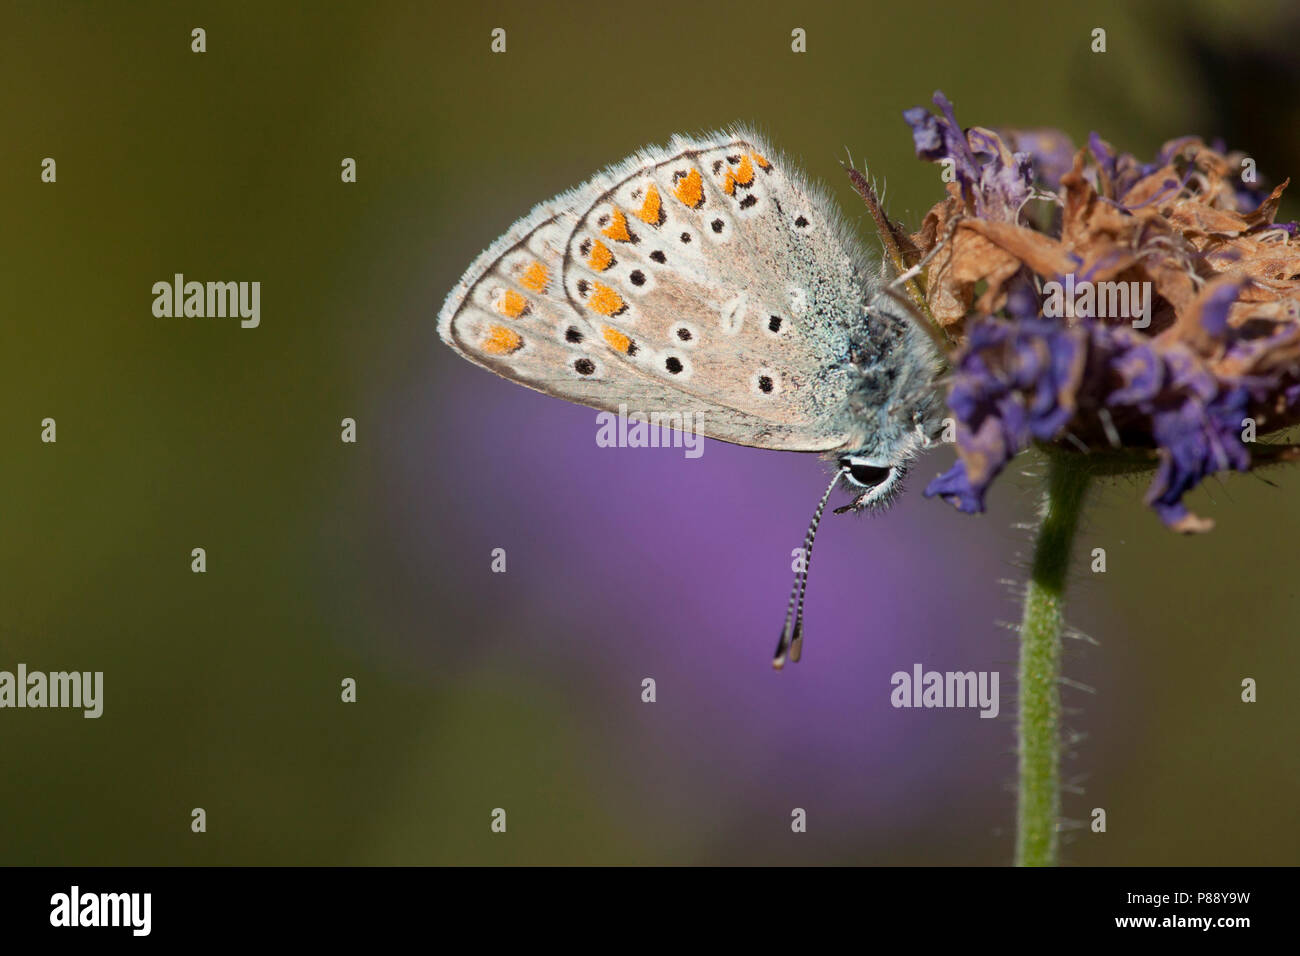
(1014, 383)
(1214, 309)
(1219, 343)
(1196, 438)
(940, 137)
(1050, 152)
(1034, 380)
(997, 180)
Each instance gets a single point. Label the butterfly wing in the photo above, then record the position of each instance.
(707, 277)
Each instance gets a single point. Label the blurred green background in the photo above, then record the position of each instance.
(222, 688)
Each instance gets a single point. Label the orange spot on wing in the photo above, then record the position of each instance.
(511, 304)
(742, 175)
(651, 210)
(617, 340)
(605, 300)
(601, 258)
(536, 277)
(745, 171)
(762, 163)
(617, 228)
(502, 341)
(690, 189)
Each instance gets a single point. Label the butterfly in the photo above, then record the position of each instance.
(711, 277)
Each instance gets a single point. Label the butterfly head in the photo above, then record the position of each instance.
(893, 404)
(874, 484)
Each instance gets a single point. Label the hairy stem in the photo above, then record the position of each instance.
(1039, 803)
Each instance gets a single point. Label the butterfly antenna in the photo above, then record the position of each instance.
(792, 636)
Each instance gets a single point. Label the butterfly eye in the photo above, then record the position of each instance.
(863, 474)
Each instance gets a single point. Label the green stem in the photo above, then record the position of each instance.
(1039, 806)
